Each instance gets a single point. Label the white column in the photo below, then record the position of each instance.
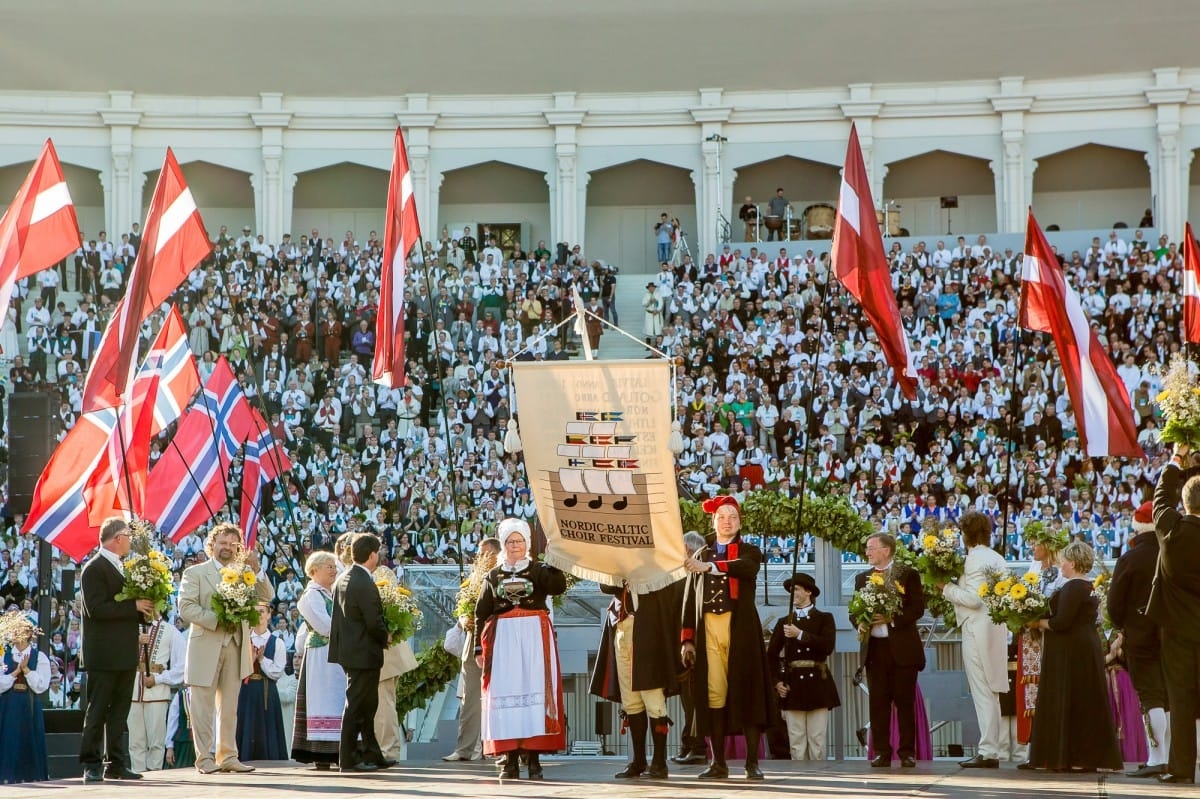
(581, 208)
(122, 208)
(271, 120)
(1169, 190)
(1014, 193)
(418, 123)
(565, 118)
(1185, 191)
(712, 196)
(861, 110)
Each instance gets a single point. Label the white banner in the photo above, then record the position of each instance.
(595, 440)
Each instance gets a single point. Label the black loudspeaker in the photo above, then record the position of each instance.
(68, 586)
(603, 718)
(32, 428)
(950, 201)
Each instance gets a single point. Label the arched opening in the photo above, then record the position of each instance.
(806, 184)
(223, 195)
(514, 202)
(87, 194)
(1092, 187)
(340, 197)
(939, 193)
(624, 203)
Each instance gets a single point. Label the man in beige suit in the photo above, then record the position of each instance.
(217, 661)
(398, 659)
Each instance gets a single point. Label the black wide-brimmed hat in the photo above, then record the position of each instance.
(804, 580)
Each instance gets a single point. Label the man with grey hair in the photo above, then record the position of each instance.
(1175, 605)
(110, 655)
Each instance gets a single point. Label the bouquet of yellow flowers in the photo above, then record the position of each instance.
(236, 599)
(941, 560)
(400, 610)
(1180, 403)
(1014, 602)
(147, 571)
(877, 597)
(1100, 587)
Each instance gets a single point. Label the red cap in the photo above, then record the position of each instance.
(711, 505)
(1143, 518)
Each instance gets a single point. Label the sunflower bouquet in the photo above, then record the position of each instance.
(147, 571)
(400, 610)
(1100, 587)
(236, 599)
(879, 596)
(1179, 401)
(1013, 601)
(941, 559)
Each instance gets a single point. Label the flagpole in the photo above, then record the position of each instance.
(808, 425)
(432, 364)
(280, 473)
(1018, 336)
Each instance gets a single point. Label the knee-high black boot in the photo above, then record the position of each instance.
(659, 728)
(637, 744)
(535, 766)
(753, 772)
(717, 769)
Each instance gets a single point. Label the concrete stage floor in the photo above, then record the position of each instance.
(592, 778)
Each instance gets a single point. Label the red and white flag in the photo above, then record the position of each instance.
(861, 264)
(39, 229)
(1103, 414)
(174, 242)
(1191, 286)
(401, 232)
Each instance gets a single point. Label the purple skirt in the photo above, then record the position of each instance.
(924, 741)
(1127, 716)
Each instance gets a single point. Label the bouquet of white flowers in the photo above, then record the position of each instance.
(877, 597)
(147, 571)
(1180, 404)
(400, 610)
(236, 599)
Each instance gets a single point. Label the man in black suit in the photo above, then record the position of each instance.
(1175, 605)
(1142, 640)
(894, 655)
(358, 636)
(110, 655)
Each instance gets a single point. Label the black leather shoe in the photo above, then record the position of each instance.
(881, 761)
(385, 763)
(121, 774)
(1147, 771)
(979, 761)
(657, 771)
(716, 771)
(753, 772)
(1026, 766)
(911, 762)
(364, 767)
(1176, 779)
(690, 759)
(631, 771)
(93, 775)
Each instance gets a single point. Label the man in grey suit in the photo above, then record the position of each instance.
(358, 636)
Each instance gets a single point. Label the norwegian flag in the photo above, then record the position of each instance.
(39, 229)
(1191, 286)
(1098, 396)
(119, 482)
(59, 512)
(174, 242)
(401, 232)
(187, 486)
(264, 462)
(860, 263)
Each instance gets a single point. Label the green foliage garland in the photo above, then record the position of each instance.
(435, 668)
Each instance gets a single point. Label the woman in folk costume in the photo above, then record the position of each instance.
(26, 674)
(1046, 543)
(798, 652)
(722, 637)
(516, 649)
(260, 734)
(321, 696)
(636, 670)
